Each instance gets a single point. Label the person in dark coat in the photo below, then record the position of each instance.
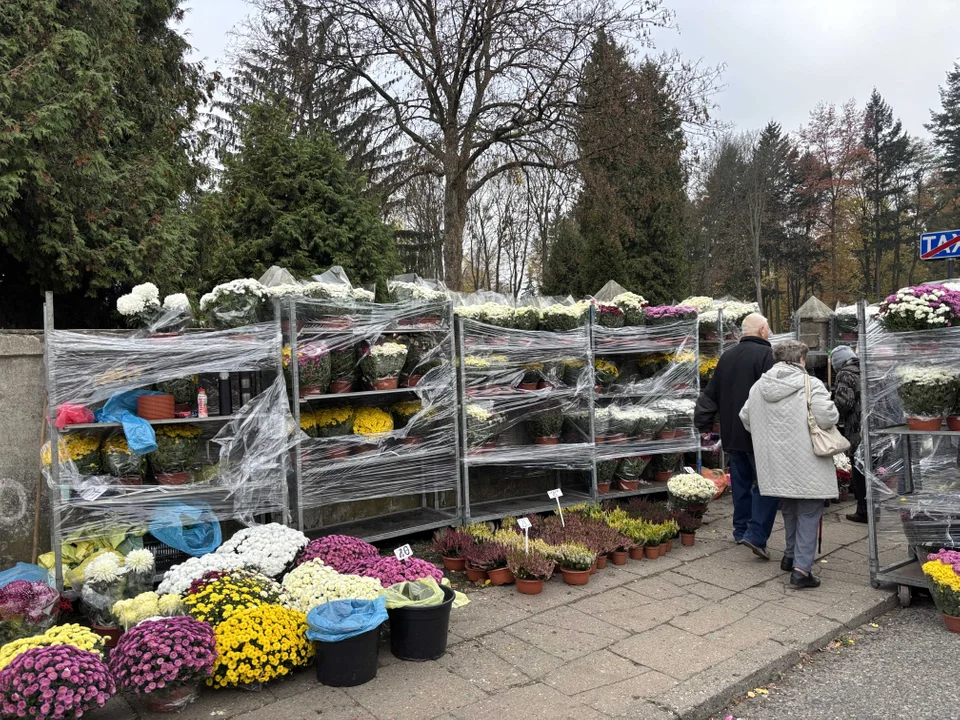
(846, 396)
(725, 395)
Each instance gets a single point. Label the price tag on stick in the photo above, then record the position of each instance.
(556, 495)
(524, 524)
(403, 552)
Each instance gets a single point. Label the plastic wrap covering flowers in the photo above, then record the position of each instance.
(55, 682)
(847, 320)
(260, 644)
(72, 634)
(27, 608)
(337, 551)
(234, 304)
(526, 389)
(165, 660)
(313, 366)
(389, 417)
(733, 313)
(314, 583)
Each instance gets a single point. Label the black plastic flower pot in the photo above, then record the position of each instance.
(420, 633)
(349, 662)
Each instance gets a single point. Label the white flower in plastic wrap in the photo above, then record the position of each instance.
(841, 462)
(176, 301)
(287, 289)
(362, 295)
(414, 291)
(478, 412)
(104, 568)
(148, 291)
(139, 561)
(327, 290)
(268, 548)
(206, 300)
(700, 302)
(314, 583)
(130, 305)
(243, 286)
(177, 579)
(630, 299)
(692, 488)
(388, 349)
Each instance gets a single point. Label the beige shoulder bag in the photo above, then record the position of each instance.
(826, 443)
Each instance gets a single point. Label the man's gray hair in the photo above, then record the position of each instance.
(790, 351)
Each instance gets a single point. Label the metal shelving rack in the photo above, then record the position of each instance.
(533, 346)
(610, 342)
(132, 356)
(354, 471)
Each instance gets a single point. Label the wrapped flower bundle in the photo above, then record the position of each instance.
(118, 459)
(55, 682)
(308, 422)
(633, 307)
(389, 571)
(570, 371)
(140, 565)
(404, 411)
(333, 421)
(140, 306)
(610, 316)
(259, 644)
(402, 291)
(700, 303)
(382, 363)
(162, 655)
(708, 365)
(666, 314)
(224, 596)
(343, 367)
(269, 548)
(103, 585)
(313, 366)
(184, 390)
(922, 307)
(338, 551)
(605, 372)
(82, 449)
(234, 304)
(177, 447)
(546, 425)
(27, 608)
(943, 573)
(313, 583)
(422, 356)
(483, 425)
(72, 634)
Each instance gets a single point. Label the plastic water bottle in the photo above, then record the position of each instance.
(202, 403)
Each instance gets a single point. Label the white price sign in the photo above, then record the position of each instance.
(523, 523)
(403, 552)
(554, 494)
(689, 470)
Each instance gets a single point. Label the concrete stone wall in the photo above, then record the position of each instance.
(21, 415)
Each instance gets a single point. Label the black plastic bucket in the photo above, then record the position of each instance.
(420, 633)
(349, 662)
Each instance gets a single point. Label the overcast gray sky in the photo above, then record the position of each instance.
(782, 56)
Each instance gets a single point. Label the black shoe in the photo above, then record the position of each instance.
(760, 552)
(786, 564)
(857, 518)
(799, 580)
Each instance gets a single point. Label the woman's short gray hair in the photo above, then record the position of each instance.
(790, 351)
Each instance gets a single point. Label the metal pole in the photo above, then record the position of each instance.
(56, 497)
(295, 403)
(865, 443)
(591, 406)
(465, 472)
(452, 345)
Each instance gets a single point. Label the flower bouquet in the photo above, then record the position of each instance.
(81, 449)
(927, 394)
(561, 318)
(27, 608)
(55, 682)
(483, 427)
(667, 314)
(259, 644)
(633, 307)
(527, 318)
(338, 551)
(135, 610)
(605, 372)
(313, 366)
(545, 426)
(140, 306)
(176, 451)
(234, 304)
(629, 471)
(119, 460)
(423, 356)
(665, 465)
(922, 307)
(343, 368)
(530, 569)
(164, 661)
(382, 363)
(104, 583)
(844, 474)
(691, 492)
(609, 316)
(271, 548)
(372, 423)
(72, 634)
(140, 565)
(313, 583)
(177, 313)
(943, 574)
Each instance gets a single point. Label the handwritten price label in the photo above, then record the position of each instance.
(403, 552)
(554, 494)
(523, 523)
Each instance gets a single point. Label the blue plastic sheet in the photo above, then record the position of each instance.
(193, 529)
(24, 571)
(344, 619)
(122, 408)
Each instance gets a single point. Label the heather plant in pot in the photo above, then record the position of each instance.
(545, 426)
(575, 561)
(451, 544)
(343, 368)
(927, 394)
(530, 569)
(609, 316)
(688, 524)
(177, 447)
(381, 365)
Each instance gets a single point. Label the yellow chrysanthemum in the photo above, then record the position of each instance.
(372, 421)
(72, 634)
(178, 431)
(333, 416)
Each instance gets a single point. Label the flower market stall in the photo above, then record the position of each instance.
(911, 431)
(373, 389)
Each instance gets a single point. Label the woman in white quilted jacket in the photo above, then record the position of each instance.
(776, 416)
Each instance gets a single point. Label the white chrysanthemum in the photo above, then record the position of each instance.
(314, 583)
(691, 487)
(841, 462)
(700, 302)
(177, 579)
(282, 290)
(207, 300)
(104, 568)
(139, 561)
(323, 291)
(170, 605)
(129, 305)
(388, 349)
(362, 295)
(478, 413)
(148, 291)
(176, 301)
(268, 548)
(630, 300)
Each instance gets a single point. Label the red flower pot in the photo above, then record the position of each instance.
(476, 576)
(666, 435)
(669, 544)
(603, 488)
(109, 634)
(651, 553)
(661, 549)
(451, 563)
(601, 562)
(555, 440)
(500, 576)
(627, 484)
(411, 440)
(924, 424)
(953, 422)
(687, 539)
(386, 384)
(131, 480)
(341, 386)
(662, 475)
(952, 622)
(312, 390)
(177, 478)
(636, 553)
(618, 557)
(575, 577)
(527, 386)
(529, 587)
(414, 380)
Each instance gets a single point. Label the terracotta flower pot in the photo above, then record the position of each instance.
(601, 562)
(651, 552)
(636, 553)
(952, 622)
(527, 386)
(924, 424)
(593, 568)
(413, 380)
(662, 475)
(109, 634)
(687, 539)
(662, 549)
(177, 478)
(338, 453)
(618, 557)
(666, 434)
(411, 440)
(603, 488)
(474, 575)
(500, 576)
(454, 563)
(306, 390)
(555, 440)
(615, 438)
(542, 385)
(575, 577)
(953, 422)
(627, 484)
(341, 386)
(529, 587)
(386, 384)
(669, 544)
(131, 480)
(167, 700)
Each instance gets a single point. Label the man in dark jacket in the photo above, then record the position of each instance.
(846, 396)
(725, 394)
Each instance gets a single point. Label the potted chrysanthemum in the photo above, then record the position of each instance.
(403, 412)
(483, 427)
(343, 367)
(104, 582)
(374, 424)
(381, 365)
(176, 452)
(140, 306)
(120, 461)
(313, 366)
(545, 426)
(609, 316)
(927, 394)
(634, 308)
(234, 304)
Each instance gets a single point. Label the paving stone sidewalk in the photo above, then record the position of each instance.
(671, 638)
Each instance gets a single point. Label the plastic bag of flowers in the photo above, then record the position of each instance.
(233, 304)
(691, 491)
(27, 608)
(214, 599)
(259, 644)
(133, 611)
(55, 682)
(164, 661)
(389, 570)
(337, 551)
(270, 548)
(313, 583)
(381, 365)
(140, 306)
